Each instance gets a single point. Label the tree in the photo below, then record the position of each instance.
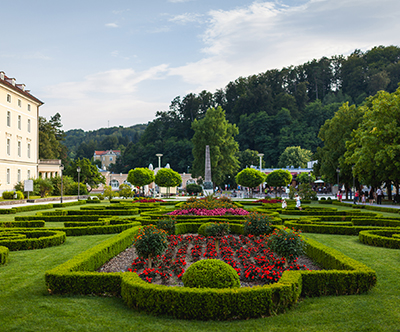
(248, 157)
(295, 156)
(89, 173)
(167, 178)
(305, 178)
(140, 177)
(250, 177)
(214, 130)
(125, 190)
(279, 178)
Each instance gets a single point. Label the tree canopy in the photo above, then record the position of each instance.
(140, 177)
(89, 173)
(250, 177)
(295, 156)
(214, 130)
(279, 178)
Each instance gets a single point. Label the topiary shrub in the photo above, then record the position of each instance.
(211, 273)
(167, 224)
(258, 224)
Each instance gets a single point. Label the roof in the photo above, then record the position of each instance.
(100, 153)
(19, 88)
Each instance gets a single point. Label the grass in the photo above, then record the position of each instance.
(25, 304)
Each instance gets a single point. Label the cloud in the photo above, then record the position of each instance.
(179, 1)
(112, 25)
(186, 18)
(265, 35)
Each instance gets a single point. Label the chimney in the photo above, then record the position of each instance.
(2, 75)
(21, 86)
(13, 81)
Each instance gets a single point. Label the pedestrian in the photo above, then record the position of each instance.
(363, 199)
(371, 196)
(284, 204)
(356, 197)
(339, 196)
(298, 202)
(379, 196)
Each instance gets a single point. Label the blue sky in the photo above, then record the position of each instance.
(119, 62)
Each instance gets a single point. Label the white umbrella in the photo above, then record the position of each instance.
(319, 181)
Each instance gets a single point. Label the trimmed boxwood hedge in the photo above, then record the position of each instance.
(23, 224)
(86, 223)
(3, 255)
(77, 276)
(118, 212)
(381, 238)
(59, 205)
(35, 239)
(59, 218)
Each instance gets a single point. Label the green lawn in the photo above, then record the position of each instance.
(25, 304)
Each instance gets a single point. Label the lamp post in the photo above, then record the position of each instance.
(338, 171)
(62, 189)
(79, 173)
(260, 155)
(159, 155)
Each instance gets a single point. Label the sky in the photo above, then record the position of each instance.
(103, 63)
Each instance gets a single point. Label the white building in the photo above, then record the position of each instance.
(19, 135)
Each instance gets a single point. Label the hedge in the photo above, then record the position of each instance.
(35, 239)
(77, 276)
(87, 223)
(377, 208)
(59, 205)
(26, 208)
(93, 230)
(59, 218)
(381, 238)
(23, 224)
(8, 211)
(120, 212)
(382, 222)
(3, 255)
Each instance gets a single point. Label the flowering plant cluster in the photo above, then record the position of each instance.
(258, 224)
(208, 203)
(250, 256)
(286, 243)
(208, 212)
(268, 201)
(148, 200)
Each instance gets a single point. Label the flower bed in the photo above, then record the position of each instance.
(268, 201)
(249, 255)
(148, 200)
(213, 212)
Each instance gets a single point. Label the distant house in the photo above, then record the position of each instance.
(107, 157)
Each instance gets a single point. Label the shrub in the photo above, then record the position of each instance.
(211, 273)
(286, 243)
(258, 224)
(8, 194)
(193, 188)
(167, 224)
(215, 229)
(150, 242)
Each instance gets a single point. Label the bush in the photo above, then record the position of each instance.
(286, 243)
(167, 224)
(211, 273)
(215, 229)
(258, 224)
(193, 188)
(8, 194)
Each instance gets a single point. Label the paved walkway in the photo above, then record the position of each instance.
(4, 205)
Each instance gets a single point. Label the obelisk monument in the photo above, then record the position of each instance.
(208, 185)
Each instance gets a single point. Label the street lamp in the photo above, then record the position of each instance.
(261, 155)
(79, 173)
(62, 189)
(338, 171)
(159, 155)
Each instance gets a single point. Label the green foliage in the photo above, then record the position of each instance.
(140, 176)
(193, 188)
(215, 229)
(306, 192)
(214, 130)
(125, 190)
(3, 255)
(305, 178)
(108, 192)
(89, 173)
(50, 138)
(36, 239)
(295, 156)
(258, 224)
(167, 224)
(208, 203)
(150, 241)
(286, 243)
(44, 186)
(248, 157)
(210, 273)
(166, 177)
(279, 178)
(250, 177)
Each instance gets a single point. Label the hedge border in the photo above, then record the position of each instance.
(22, 224)
(4, 255)
(77, 276)
(36, 239)
(381, 238)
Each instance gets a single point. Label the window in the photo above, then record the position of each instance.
(8, 146)
(19, 148)
(8, 98)
(19, 103)
(8, 119)
(19, 122)
(8, 176)
(19, 175)
(110, 158)
(29, 150)
(29, 174)
(29, 125)
(29, 107)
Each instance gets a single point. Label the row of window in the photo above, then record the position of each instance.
(19, 122)
(8, 176)
(19, 148)
(19, 102)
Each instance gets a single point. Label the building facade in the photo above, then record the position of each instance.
(106, 157)
(19, 135)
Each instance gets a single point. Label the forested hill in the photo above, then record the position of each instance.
(82, 144)
(273, 110)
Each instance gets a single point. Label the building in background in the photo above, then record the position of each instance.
(19, 134)
(106, 157)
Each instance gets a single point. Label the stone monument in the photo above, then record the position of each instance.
(208, 187)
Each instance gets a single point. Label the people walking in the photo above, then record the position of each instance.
(379, 196)
(356, 195)
(298, 202)
(371, 196)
